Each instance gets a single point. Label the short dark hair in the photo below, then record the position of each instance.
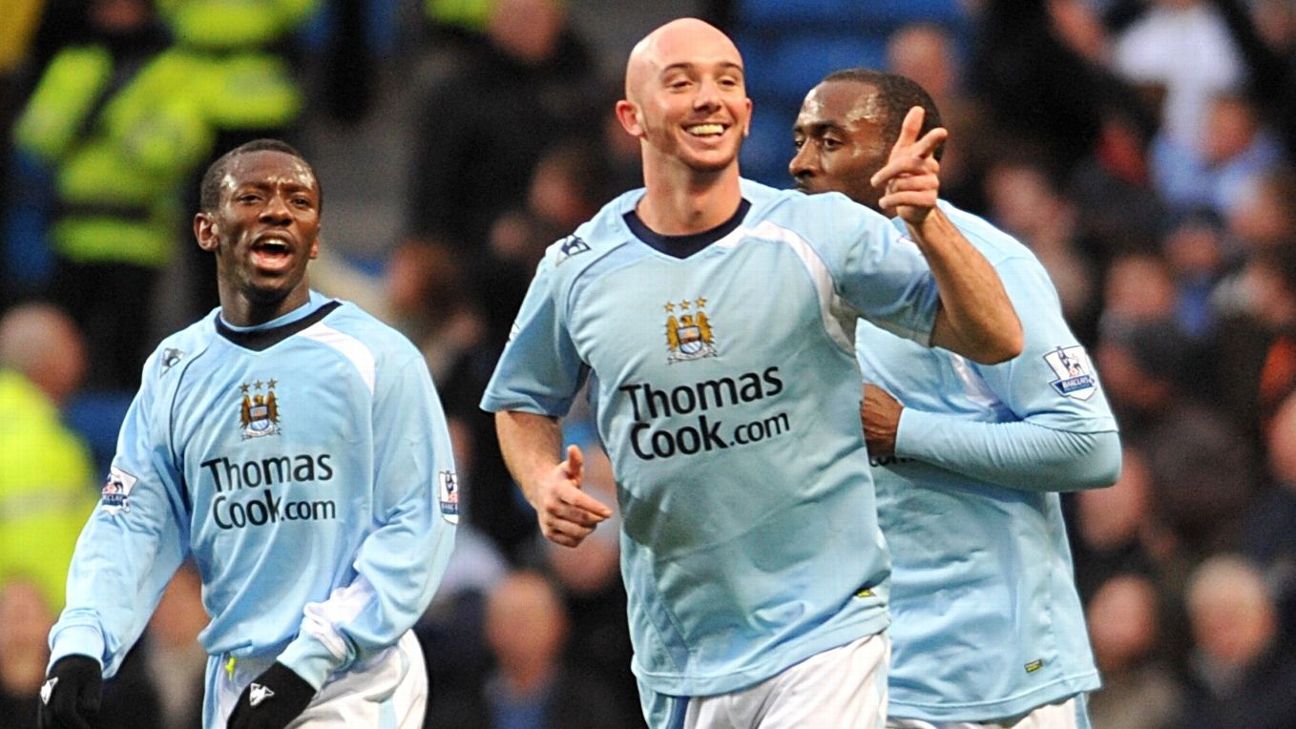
(898, 94)
(209, 191)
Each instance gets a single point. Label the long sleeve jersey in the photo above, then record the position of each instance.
(305, 465)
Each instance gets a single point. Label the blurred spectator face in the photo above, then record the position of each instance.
(1111, 517)
(1265, 217)
(25, 622)
(1193, 249)
(1021, 198)
(1282, 443)
(1075, 22)
(43, 343)
(1233, 618)
(1122, 618)
(1140, 287)
(922, 52)
(119, 17)
(1229, 130)
(1276, 22)
(840, 136)
(526, 29)
(525, 624)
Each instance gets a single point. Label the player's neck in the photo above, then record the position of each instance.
(680, 201)
(240, 310)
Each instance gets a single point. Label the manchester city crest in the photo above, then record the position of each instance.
(259, 412)
(688, 331)
(1074, 373)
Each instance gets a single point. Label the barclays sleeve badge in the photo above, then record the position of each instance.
(116, 491)
(448, 495)
(1074, 372)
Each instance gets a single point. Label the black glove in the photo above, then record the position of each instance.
(69, 698)
(272, 700)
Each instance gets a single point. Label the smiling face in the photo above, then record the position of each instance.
(264, 231)
(686, 98)
(841, 138)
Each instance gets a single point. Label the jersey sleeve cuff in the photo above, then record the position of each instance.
(84, 640)
(914, 429)
(310, 659)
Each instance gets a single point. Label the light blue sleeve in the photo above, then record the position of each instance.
(1061, 434)
(876, 268)
(400, 563)
(1017, 455)
(540, 370)
(132, 544)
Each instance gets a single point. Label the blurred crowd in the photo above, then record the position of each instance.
(1145, 150)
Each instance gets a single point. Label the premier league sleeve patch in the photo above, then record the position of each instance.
(116, 491)
(448, 495)
(1074, 372)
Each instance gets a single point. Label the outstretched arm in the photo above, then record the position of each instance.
(530, 444)
(975, 318)
(1019, 455)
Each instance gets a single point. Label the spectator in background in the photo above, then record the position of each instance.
(25, 620)
(1139, 690)
(1268, 539)
(1116, 530)
(483, 131)
(1241, 675)
(526, 627)
(1179, 55)
(119, 122)
(46, 482)
(1026, 203)
(927, 53)
(1213, 171)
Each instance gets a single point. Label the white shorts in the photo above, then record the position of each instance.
(841, 687)
(1069, 714)
(387, 691)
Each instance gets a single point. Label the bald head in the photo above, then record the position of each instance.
(680, 40)
(44, 344)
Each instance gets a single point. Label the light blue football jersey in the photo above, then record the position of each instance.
(726, 393)
(305, 465)
(986, 620)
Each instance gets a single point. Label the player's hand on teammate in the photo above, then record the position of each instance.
(272, 700)
(69, 698)
(566, 513)
(911, 174)
(880, 416)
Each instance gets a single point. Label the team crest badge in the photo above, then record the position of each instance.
(688, 331)
(259, 412)
(1074, 372)
(448, 495)
(116, 491)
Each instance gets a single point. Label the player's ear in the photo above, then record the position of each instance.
(314, 247)
(205, 232)
(747, 123)
(627, 113)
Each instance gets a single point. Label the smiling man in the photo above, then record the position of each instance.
(294, 447)
(967, 459)
(714, 318)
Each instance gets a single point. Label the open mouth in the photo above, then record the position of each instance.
(271, 252)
